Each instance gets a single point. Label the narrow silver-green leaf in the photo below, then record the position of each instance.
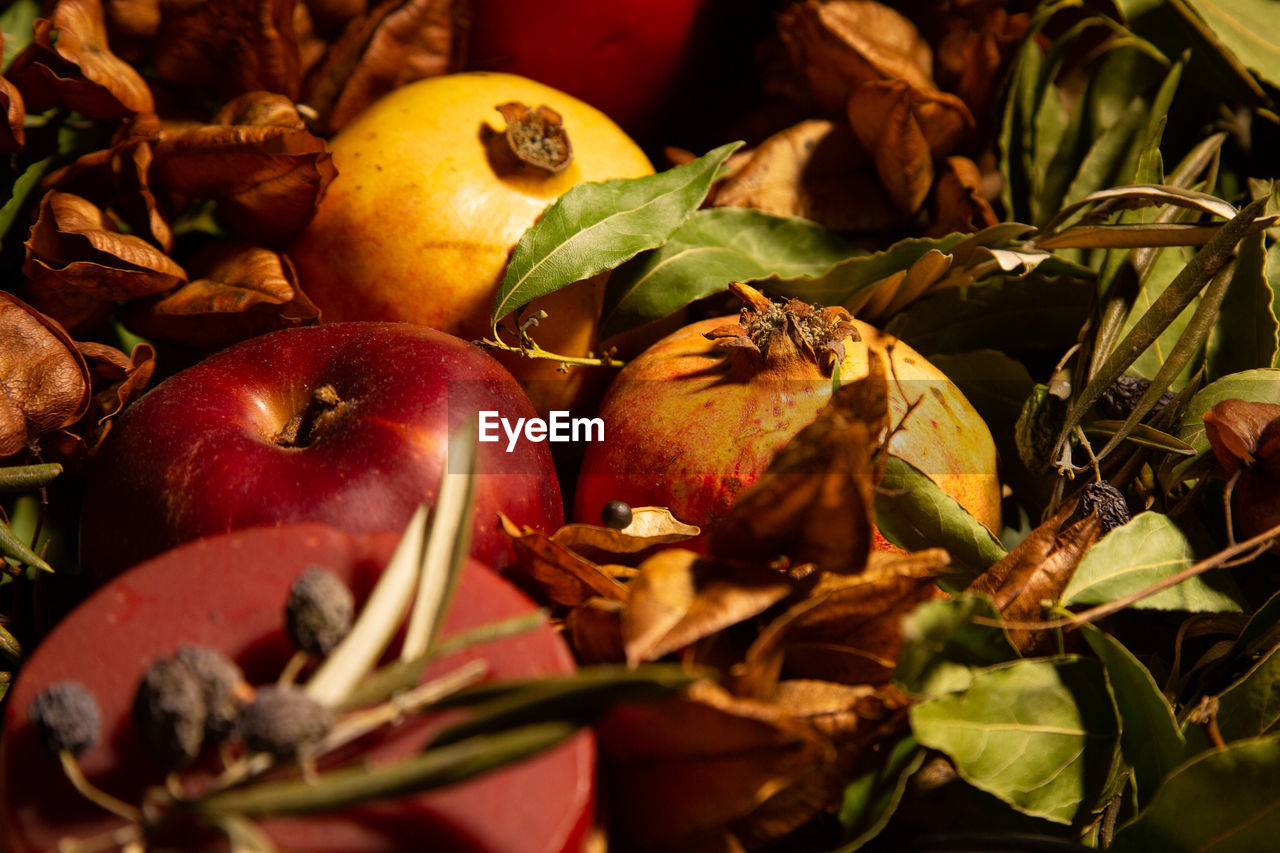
(914, 513)
(24, 478)
(1249, 29)
(1041, 735)
(1150, 548)
(1150, 738)
(1224, 801)
(713, 248)
(596, 226)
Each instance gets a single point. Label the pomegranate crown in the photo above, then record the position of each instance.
(778, 330)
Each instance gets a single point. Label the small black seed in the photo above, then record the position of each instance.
(319, 611)
(284, 721)
(169, 713)
(65, 716)
(1108, 502)
(615, 514)
(219, 679)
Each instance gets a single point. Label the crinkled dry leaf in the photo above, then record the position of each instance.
(562, 575)
(836, 710)
(972, 56)
(1235, 431)
(75, 253)
(650, 526)
(397, 42)
(230, 46)
(265, 170)
(814, 502)
(330, 16)
(840, 44)
(816, 169)
(133, 20)
(118, 379)
(12, 133)
(958, 201)
(238, 291)
(69, 62)
(679, 598)
(594, 631)
(44, 381)
(846, 630)
(1036, 572)
(684, 767)
(117, 179)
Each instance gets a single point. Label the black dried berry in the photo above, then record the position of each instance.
(220, 681)
(169, 713)
(284, 721)
(615, 514)
(1123, 396)
(65, 716)
(1108, 502)
(319, 611)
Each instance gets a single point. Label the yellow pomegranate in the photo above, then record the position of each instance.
(432, 193)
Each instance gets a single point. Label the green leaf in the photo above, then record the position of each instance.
(14, 548)
(596, 226)
(1249, 29)
(1225, 801)
(1150, 738)
(22, 188)
(1150, 548)
(914, 513)
(1041, 735)
(870, 799)
(18, 25)
(1244, 336)
(1255, 386)
(711, 249)
(994, 383)
(1248, 708)
(942, 644)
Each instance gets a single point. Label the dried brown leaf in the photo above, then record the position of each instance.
(561, 575)
(685, 767)
(330, 16)
(881, 115)
(814, 502)
(133, 20)
(815, 169)
(1037, 572)
(265, 170)
(1234, 429)
(118, 379)
(594, 631)
(395, 43)
(44, 381)
(238, 291)
(230, 46)
(972, 55)
(840, 44)
(76, 255)
(12, 133)
(70, 63)
(958, 201)
(650, 526)
(678, 598)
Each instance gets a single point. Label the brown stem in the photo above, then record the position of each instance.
(323, 410)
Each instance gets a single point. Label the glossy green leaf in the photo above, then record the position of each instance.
(870, 799)
(713, 248)
(596, 226)
(1225, 801)
(1248, 708)
(1132, 557)
(914, 513)
(1250, 29)
(1244, 336)
(1150, 738)
(850, 278)
(1041, 735)
(943, 643)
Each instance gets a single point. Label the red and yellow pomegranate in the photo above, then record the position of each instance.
(691, 422)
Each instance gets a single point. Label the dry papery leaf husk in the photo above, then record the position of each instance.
(13, 132)
(257, 160)
(972, 55)
(1245, 438)
(238, 290)
(117, 381)
(44, 380)
(959, 203)
(69, 63)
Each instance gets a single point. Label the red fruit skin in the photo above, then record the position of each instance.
(228, 592)
(195, 455)
(623, 57)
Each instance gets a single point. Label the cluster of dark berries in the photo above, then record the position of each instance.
(1108, 502)
(199, 697)
(1119, 400)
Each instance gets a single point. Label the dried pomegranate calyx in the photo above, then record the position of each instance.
(777, 331)
(536, 136)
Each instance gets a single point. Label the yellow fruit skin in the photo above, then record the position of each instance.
(421, 219)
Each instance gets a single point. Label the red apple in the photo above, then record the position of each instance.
(227, 592)
(209, 450)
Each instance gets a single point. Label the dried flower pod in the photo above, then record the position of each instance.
(1108, 502)
(1123, 396)
(319, 611)
(220, 684)
(284, 721)
(65, 716)
(169, 713)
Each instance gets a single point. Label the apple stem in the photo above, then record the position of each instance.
(323, 409)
